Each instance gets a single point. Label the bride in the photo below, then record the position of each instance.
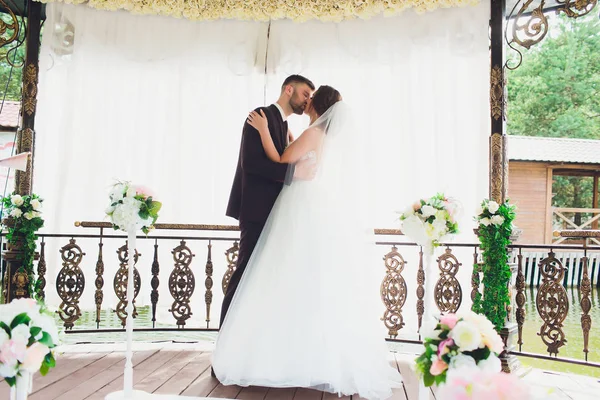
(306, 311)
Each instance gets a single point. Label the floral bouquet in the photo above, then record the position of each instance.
(24, 220)
(27, 335)
(132, 208)
(490, 213)
(428, 222)
(478, 384)
(28, 207)
(459, 341)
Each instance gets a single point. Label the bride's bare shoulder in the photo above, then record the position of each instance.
(313, 130)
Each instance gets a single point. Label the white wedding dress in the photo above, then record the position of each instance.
(306, 312)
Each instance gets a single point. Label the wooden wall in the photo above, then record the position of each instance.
(530, 189)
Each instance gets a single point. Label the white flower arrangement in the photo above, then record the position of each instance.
(264, 10)
(27, 334)
(430, 221)
(489, 213)
(132, 208)
(459, 343)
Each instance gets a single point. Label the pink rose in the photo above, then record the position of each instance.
(144, 191)
(437, 367)
(34, 357)
(449, 320)
(443, 348)
(12, 351)
(417, 206)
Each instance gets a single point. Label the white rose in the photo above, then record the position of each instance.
(493, 207)
(414, 228)
(131, 192)
(36, 214)
(109, 210)
(20, 333)
(34, 357)
(3, 337)
(17, 200)
(8, 370)
(428, 210)
(48, 325)
(29, 215)
(479, 210)
(16, 213)
(36, 204)
(117, 191)
(485, 221)
(462, 361)
(491, 364)
(466, 336)
(497, 220)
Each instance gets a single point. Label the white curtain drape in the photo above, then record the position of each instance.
(161, 101)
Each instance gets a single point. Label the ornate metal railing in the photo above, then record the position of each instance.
(402, 287)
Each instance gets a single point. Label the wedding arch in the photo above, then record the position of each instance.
(266, 41)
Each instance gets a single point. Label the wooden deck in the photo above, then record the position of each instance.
(91, 371)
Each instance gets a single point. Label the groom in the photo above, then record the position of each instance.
(258, 180)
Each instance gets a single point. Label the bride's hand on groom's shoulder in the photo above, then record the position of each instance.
(259, 121)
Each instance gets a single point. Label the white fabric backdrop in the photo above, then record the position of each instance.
(161, 101)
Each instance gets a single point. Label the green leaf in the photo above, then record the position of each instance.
(11, 381)
(49, 359)
(428, 379)
(46, 340)
(44, 368)
(22, 318)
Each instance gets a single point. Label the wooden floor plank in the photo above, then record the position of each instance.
(57, 388)
(225, 392)
(157, 378)
(398, 393)
(140, 372)
(253, 393)
(308, 394)
(202, 386)
(186, 375)
(280, 394)
(98, 381)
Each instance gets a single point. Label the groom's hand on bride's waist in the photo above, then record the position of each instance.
(305, 170)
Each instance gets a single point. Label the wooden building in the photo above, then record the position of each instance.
(534, 162)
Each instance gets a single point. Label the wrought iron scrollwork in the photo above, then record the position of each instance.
(393, 291)
(420, 290)
(576, 8)
(182, 283)
(552, 303)
(232, 257)
(448, 293)
(154, 282)
(41, 270)
(12, 34)
(70, 283)
(520, 299)
(586, 306)
(120, 283)
(99, 294)
(208, 283)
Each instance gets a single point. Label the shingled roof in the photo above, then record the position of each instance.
(9, 116)
(564, 150)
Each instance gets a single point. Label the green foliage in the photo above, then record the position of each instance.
(495, 228)
(556, 90)
(11, 78)
(25, 221)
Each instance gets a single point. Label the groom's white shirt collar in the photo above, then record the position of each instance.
(283, 116)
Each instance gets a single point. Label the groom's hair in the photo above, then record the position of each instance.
(293, 79)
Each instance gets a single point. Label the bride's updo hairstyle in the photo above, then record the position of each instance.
(324, 98)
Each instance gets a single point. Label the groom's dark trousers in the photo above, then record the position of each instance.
(257, 183)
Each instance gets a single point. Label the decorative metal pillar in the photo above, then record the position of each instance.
(16, 282)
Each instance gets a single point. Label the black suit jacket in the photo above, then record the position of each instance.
(258, 180)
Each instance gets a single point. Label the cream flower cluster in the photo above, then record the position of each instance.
(487, 215)
(26, 336)
(264, 10)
